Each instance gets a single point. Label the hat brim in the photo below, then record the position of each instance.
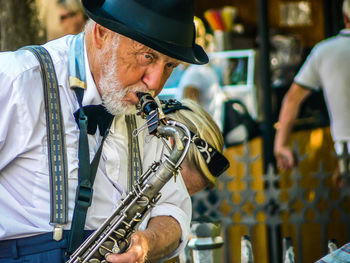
(194, 54)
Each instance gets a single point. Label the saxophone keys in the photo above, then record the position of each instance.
(115, 249)
(120, 232)
(106, 248)
(94, 260)
(143, 201)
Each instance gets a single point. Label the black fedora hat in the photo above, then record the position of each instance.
(163, 25)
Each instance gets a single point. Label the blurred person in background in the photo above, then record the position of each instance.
(201, 83)
(326, 68)
(72, 16)
(198, 169)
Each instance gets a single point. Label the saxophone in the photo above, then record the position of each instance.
(114, 234)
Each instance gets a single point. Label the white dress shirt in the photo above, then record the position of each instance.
(24, 173)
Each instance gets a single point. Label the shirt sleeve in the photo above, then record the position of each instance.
(175, 200)
(308, 75)
(19, 107)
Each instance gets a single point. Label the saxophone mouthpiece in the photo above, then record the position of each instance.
(148, 109)
(147, 103)
(140, 94)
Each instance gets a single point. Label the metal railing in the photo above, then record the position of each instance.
(314, 205)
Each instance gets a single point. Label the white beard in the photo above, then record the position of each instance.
(112, 92)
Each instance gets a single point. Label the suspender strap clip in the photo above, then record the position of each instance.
(58, 232)
(84, 195)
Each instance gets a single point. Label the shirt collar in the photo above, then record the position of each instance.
(91, 94)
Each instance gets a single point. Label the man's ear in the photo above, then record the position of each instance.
(100, 35)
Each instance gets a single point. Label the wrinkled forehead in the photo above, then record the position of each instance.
(141, 48)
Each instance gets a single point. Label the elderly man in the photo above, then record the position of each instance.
(130, 46)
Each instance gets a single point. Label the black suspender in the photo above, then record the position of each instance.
(86, 174)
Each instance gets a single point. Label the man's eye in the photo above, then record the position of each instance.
(171, 65)
(145, 58)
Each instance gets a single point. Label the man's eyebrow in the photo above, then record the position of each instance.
(143, 48)
(170, 59)
(159, 54)
(177, 61)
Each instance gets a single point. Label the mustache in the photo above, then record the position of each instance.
(138, 88)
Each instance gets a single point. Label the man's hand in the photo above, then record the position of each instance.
(289, 111)
(136, 253)
(284, 158)
(160, 238)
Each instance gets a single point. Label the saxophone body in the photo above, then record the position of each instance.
(113, 236)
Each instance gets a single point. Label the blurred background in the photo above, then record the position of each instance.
(256, 47)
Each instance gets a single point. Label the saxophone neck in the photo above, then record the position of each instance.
(158, 125)
(181, 137)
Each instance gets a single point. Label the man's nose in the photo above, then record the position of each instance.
(154, 77)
